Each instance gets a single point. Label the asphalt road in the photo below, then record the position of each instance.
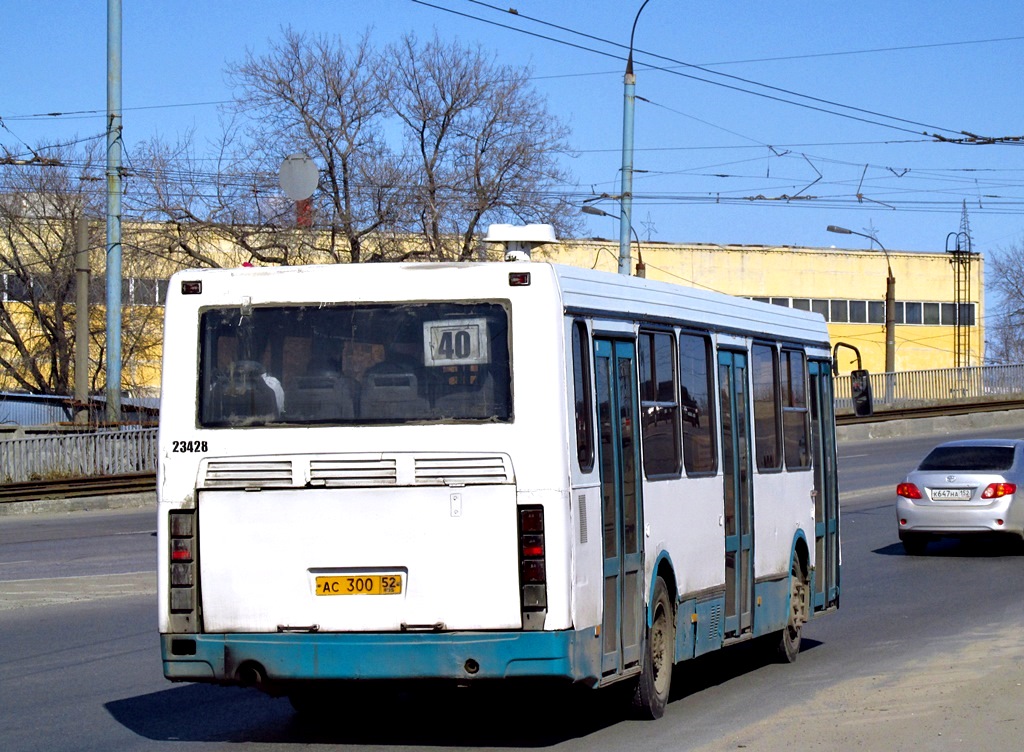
(924, 653)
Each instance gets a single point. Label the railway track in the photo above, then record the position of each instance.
(69, 488)
(931, 411)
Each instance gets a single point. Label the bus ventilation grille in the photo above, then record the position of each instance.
(358, 471)
(354, 472)
(715, 624)
(446, 470)
(248, 474)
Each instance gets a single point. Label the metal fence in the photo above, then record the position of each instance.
(77, 455)
(937, 385)
(133, 450)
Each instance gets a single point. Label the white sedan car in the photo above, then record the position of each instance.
(962, 488)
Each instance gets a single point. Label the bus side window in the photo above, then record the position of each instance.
(696, 376)
(583, 411)
(767, 427)
(659, 404)
(795, 425)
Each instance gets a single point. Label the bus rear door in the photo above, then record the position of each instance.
(622, 628)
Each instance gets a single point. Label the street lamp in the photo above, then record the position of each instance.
(626, 199)
(641, 268)
(890, 299)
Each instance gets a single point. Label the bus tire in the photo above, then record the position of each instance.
(652, 689)
(789, 638)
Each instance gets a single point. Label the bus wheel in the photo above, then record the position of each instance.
(789, 638)
(651, 694)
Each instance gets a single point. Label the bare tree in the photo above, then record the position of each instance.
(418, 146)
(483, 143)
(192, 209)
(318, 96)
(39, 206)
(1005, 328)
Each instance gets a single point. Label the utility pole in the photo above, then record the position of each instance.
(82, 270)
(890, 301)
(114, 211)
(626, 194)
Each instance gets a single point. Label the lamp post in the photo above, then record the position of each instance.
(626, 194)
(890, 299)
(641, 268)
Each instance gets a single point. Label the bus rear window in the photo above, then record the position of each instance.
(354, 364)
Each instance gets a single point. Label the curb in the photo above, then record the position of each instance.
(79, 504)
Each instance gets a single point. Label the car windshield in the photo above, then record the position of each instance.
(969, 458)
(355, 364)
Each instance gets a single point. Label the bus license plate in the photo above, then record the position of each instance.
(951, 494)
(359, 584)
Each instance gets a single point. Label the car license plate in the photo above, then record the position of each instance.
(951, 494)
(359, 584)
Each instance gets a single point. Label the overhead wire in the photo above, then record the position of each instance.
(638, 51)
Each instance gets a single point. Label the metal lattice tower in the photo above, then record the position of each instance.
(958, 245)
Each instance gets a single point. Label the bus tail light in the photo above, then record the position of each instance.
(532, 567)
(182, 575)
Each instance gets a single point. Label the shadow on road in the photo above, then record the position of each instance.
(506, 715)
(971, 546)
(455, 717)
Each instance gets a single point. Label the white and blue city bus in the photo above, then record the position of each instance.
(481, 471)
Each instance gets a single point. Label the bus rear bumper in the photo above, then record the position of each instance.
(279, 658)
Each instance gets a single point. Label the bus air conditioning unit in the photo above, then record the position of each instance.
(520, 240)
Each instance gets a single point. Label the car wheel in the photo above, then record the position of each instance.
(652, 689)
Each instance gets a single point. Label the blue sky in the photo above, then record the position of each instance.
(730, 162)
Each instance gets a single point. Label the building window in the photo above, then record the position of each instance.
(967, 314)
(144, 292)
(18, 289)
(948, 314)
(836, 311)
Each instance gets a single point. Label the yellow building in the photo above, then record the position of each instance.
(846, 286)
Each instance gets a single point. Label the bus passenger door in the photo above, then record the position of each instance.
(738, 471)
(623, 625)
(826, 493)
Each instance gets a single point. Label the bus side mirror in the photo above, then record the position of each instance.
(860, 390)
